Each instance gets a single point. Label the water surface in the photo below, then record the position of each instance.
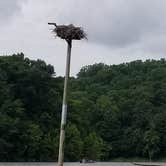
(72, 164)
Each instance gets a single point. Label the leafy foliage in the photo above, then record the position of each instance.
(114, 111)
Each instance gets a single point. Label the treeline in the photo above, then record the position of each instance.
(114, 111)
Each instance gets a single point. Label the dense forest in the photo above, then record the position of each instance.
(114, 111)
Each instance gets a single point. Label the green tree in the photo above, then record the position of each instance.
(151, 140)
(73, 144)
(93, 147)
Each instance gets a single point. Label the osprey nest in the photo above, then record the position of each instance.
(69, 32)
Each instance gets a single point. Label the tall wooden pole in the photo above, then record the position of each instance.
(64, 106)
(69, 33)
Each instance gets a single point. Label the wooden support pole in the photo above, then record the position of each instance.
(64, 106)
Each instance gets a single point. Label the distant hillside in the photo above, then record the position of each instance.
(114, 111)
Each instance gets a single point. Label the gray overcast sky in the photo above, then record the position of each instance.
(118, 30)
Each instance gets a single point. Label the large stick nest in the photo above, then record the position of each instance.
(69, 32)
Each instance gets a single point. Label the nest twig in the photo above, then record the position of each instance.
(69, 32)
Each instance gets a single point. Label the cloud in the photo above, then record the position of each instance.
(8, 8)
(118, 30)
(117, 23)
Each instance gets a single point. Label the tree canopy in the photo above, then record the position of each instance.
(114, 111)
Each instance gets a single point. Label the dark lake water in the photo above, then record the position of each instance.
(73, 164)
